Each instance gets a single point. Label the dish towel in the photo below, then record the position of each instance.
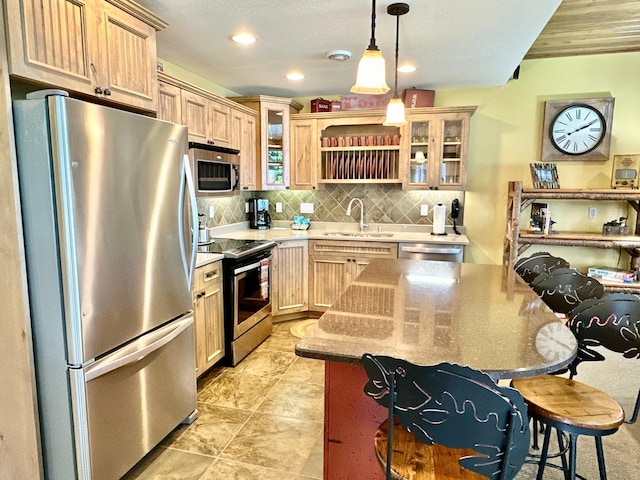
(264, 279)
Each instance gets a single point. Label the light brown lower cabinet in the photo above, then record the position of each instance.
(334, 264)
(290, 278)
(208, 316)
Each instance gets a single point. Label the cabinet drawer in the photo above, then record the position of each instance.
(208, 275)
(353, 248)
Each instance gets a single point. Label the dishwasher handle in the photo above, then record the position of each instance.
(433, 250)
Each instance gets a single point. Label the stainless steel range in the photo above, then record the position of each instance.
(247, 293)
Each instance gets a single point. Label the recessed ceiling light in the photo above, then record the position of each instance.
(295, 76)
(407, 68)
(244, 38)
(339, 55)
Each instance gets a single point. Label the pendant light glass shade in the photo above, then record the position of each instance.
(395, 112)
(371, 75)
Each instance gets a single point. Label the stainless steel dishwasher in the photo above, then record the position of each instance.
(431, 251)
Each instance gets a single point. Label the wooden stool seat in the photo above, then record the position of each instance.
(415, 460)
(569, 402)
(573, 408)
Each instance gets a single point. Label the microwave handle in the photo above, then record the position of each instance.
(236, 183)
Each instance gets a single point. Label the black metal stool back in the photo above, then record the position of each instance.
(612, 322)
(538, 263)
(564, 289)
(456, 407)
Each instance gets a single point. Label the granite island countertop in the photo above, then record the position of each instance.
(429, 312)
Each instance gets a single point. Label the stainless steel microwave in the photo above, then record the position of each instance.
(215, 169)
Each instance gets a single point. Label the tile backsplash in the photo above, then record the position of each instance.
(383, 203)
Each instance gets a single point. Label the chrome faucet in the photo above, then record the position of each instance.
(362, 224)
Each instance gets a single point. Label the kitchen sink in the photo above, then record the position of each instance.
(359, 235)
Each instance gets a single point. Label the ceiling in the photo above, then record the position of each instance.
(454, 43)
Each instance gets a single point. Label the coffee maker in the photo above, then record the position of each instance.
(259, 217)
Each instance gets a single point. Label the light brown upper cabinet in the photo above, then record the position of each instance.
(169, 102)
(430, 152)
(208, 120)
(243, 138)
(273, 128)
(303, 154)
(436, 150)
(88, 46)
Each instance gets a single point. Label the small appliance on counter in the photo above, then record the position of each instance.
(259, 217)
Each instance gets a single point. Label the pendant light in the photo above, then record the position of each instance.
(371, 71)
(395, 109)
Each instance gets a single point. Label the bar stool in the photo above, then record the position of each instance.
(563, 289)
(445, 421)
(538, 263)
(576, 408)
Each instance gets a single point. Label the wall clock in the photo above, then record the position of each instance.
(577, 129)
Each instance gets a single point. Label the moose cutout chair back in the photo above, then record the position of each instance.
(456, 407)
(611, 322)
(564, 289)
(538, 263)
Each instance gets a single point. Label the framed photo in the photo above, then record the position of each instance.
(544, 175)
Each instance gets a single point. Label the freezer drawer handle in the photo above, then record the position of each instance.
(158, 339)
(452, 251)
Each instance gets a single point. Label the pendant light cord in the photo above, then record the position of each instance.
(395, 88)
(372, 41)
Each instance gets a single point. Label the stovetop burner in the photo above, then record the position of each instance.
(233, 248)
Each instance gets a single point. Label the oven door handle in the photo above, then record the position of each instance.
(246, 268)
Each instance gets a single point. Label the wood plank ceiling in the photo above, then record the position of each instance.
(587, 27)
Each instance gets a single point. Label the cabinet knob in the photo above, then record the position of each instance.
(107, 91)
(211, 142)
(98, 90)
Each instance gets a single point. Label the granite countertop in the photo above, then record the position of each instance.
(203, 259)
(430, 312)
(281, 230)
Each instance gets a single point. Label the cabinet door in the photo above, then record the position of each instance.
(194, 116)
(52, 40)
(275, 142)
(209, 317)
(304, 154)
(421, 155)
(328, 278)
(290, 277)
(452, 134)
(169, 103)
(127, 59)
(248, 154)
(220, 120)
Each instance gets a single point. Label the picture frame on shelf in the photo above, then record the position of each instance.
(544, 175)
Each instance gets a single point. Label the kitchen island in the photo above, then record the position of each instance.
(426, 313)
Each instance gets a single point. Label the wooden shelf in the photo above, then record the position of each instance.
(582, 239)
(517, 241)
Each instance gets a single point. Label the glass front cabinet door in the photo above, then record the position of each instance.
(437, 150)
(273, 128)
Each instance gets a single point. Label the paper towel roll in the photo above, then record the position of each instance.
(439, 213)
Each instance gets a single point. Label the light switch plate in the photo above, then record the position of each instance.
(278, 207)
(212, 211)
(306, 208)
(424, 210)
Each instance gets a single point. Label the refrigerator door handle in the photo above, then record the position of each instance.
(138, 349)
(188, 178)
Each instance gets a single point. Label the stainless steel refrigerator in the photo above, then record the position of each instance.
(108, 223)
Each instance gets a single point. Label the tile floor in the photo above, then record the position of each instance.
(261, 420)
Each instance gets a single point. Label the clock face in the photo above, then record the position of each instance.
(578, 129)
